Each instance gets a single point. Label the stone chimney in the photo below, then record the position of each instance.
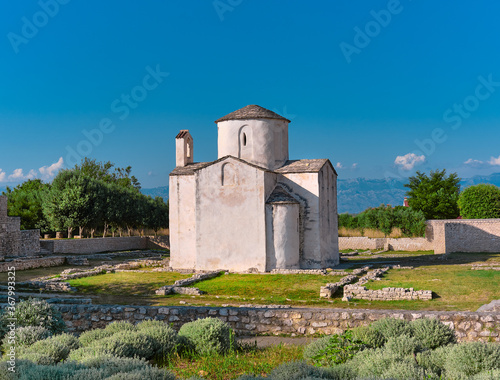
(183, 148)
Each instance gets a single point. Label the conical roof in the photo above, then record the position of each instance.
(251, 111)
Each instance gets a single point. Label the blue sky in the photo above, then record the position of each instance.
(381, 88)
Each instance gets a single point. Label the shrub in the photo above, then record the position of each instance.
(208, 336)
(69, 340)
(391, 327)
(406, 369)
(370, 337)
(127, 344)
(468, 359)
(35, 312)
(402, 345)
(374, 362)
(48, 351)
(432, 333)
(119, 326)
(434, 360)
(90, 336)
(335, 349)
(150, 373)
(299, 371)
(164, 338)
(488, 375)
(26, 336)
(313, 348)
(83, 354)
(96, 369)
(480, 202)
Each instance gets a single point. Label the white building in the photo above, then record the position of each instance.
(252, 207)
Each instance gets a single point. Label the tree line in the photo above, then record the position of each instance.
(92, 196)
(433, 196)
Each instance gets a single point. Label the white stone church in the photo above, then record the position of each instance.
(252, 208)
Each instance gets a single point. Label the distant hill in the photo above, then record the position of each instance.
(358, 194)
(161, 191)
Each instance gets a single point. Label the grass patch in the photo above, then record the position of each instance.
(126, 283)
(257, 361)
(270, 288)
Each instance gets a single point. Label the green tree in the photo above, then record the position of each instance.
(480, 202)
(26, 201)
(435, 195)
(107, 172)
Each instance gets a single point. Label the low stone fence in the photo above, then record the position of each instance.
(360, 243)
(400, 244)
(469, 326)
(408, 244)
(385, 294)
(109, 244)
(155, 242)
(23, 264)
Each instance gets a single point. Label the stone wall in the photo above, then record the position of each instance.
(385, 294)
(469, 326)
(465, 235)
(13, 241)
(30, 242)
(360, 243)
(158, 242)
(400, 244)
(409, 244)
(109, 244)
(23, 264)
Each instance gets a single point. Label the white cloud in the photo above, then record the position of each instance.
(48, 172)
(339, 165)
(354, 166)
(2, 175)
(474, 163)
(409, 161)
(494, 161)
(17, 174)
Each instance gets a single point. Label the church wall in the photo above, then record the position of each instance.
(328, 217)
(182, 201)
(263, 142)
(305, 188)
(230, 204)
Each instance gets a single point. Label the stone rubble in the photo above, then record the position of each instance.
(180, 286)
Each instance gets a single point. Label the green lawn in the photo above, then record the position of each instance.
(455, 285)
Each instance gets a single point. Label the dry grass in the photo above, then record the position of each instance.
(348, 232)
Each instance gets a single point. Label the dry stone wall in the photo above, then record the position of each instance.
(468, 326)
(23, 264)
(385, 294)
(400, 244)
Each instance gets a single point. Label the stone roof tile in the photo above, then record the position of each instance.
(252, 111)
(303, 166)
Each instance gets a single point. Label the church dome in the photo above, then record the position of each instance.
(252, 111)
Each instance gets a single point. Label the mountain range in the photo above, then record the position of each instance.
(357, 194)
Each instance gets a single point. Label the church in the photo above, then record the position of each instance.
(252, 209)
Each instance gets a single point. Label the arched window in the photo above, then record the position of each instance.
(228, 175)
